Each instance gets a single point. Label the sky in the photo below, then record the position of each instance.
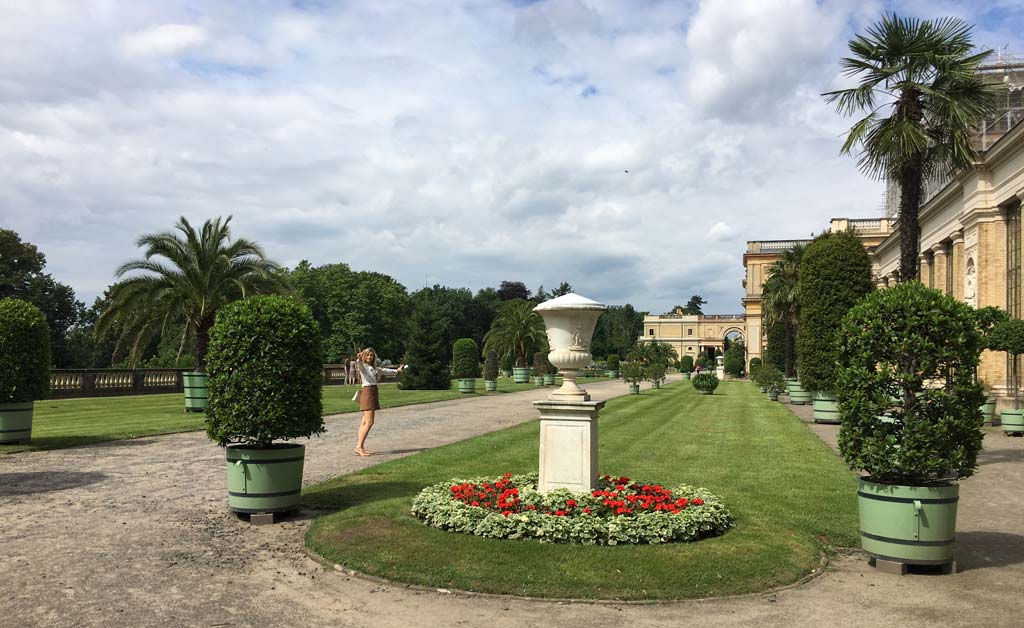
(630, 148)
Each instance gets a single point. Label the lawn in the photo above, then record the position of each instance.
(792, 499)
(60, 423)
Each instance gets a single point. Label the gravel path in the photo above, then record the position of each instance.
(136, 533)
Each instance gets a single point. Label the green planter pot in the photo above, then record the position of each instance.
(763, 389)
(1013, 421)
(549, 380)
(538, 381)
(16, 422)
(915, 525)
(490, 385)
(197, 396)
(521, 374)
(507, 373)
(797, 395)
(612, 374)
(634, 389)
(988, 410)
(467, 385)
(825, 408)
(656, 383)
(265, 480)
(773, 396)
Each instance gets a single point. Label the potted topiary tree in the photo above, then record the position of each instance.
(1008, 336)
(506, 364)
(491, 371)
(705, 382)
(539, 368)
(25, 370)
(613, 366)
(466, 364)
(655, 372)
(519, 330)
(633, 373)
(265, 369)
(987, 319)
(686, 365)
(772, 380)
(835, 273)
(913, 450)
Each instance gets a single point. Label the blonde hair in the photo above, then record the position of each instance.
(364, 355)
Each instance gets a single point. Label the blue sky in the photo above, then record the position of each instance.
(461, 143)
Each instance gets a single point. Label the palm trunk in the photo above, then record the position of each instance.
(910, 230)
(203, 341)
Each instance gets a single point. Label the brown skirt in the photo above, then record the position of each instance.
(369, 398)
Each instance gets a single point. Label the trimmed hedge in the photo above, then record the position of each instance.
(491, 366)
(894, 427)
(775, 346)
(835, 274)
(265, 367)
(24, 352)
(686, 364)
(465, 359)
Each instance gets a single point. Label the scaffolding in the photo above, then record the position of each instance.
(1007, 72)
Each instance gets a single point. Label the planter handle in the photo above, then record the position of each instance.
(917, 519)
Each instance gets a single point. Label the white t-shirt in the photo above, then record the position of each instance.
(369, 374)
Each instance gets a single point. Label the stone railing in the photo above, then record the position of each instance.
(772, 246)
(67, 383)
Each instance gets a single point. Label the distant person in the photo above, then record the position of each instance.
(368, 396)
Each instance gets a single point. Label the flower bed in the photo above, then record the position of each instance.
(618, 511)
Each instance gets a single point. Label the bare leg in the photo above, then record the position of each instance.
(364, 430)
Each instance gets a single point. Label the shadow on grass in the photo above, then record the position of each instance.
(356, 494)
(981, 550)
(45, 481)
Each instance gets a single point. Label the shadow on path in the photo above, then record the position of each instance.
(981, 550)
(45, 481)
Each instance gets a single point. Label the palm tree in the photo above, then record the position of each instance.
(781, 299)
(187, 277)
(925, 73)
(517, 329)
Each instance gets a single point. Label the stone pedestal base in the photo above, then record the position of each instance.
(568, 444)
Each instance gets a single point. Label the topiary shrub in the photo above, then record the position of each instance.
(686, 364)
(633, 372)
(465, 359)
(265, 368)
(891, 343)
(755, 363)
(703, 362)
(705, 382)
(735, 358)
(24, 352)
(491, 366)
(835, 274)
(541, 364)
(770, 378)
(1008, 336)
(506, 362)
(613, 362)
(655, 372)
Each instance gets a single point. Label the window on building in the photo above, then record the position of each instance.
(650, 332)
(949, 267)
(1013, 304)
(689, 332)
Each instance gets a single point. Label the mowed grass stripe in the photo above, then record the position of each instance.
(791, 496)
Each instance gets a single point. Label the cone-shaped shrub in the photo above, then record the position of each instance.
(465, 359)
(491, 366)
(427, 350)
(835, 274)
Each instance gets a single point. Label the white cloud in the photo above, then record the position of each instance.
(163, 40)
(432, 138)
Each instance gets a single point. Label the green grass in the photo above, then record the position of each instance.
(792, 499)
(61, 423)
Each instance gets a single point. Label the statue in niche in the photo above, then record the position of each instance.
(969, 278)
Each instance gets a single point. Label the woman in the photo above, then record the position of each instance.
(369, 397)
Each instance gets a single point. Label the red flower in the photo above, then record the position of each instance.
(697, 501)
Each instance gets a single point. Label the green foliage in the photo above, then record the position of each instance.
(506, 362)
(427, 351)
(436, 506)
(781, 302)
(930, 68)
(354, 309)
(265, 372)
(24, 352)
(491, 366)
(835, 274)
(185, 277)
(1008, 336)
(703, 361)
(617, 330)
(769, 377)
(468, 316)
(686, 364)
(705, 381)
(891, 344)
(755, 363)
(465, 359)
(735, 358)
(613, 362)
(541, 364)
(695, 305)
(633, 372)
(517, 329)
(655, 371)
(987, 319)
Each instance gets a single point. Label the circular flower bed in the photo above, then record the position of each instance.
(618, 511)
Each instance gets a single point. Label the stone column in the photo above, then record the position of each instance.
(939, 262)
(924, 269)
(990, 282)
(958, 265)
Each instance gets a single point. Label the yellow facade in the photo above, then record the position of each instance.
(691, 334)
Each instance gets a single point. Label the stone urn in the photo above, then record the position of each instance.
(570, 320)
